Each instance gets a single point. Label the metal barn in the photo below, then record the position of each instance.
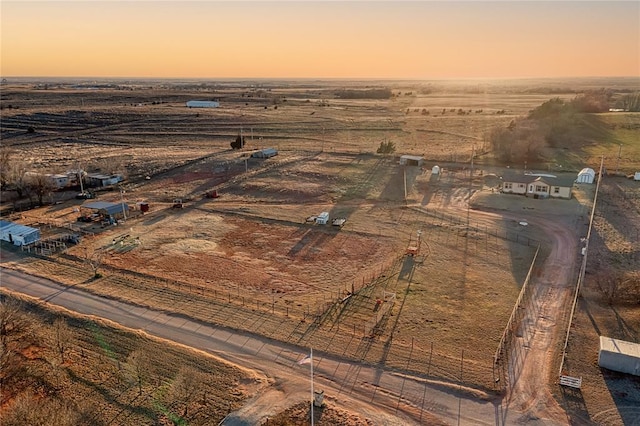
(18, 235)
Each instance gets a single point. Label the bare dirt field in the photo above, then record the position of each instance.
(251, 261)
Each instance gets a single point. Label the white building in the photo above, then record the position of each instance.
(323, 218)
(203, 104)
(586, 175)
(619, 355)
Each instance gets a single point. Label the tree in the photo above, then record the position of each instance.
(238, 143)
(185, 389)
(521, 141)
(16, 176)
(94, 258)
(6, 156)
(40, 185)
(386, 147)
(139, 368)
(63, 336)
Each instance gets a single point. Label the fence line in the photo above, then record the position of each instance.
(515, 319)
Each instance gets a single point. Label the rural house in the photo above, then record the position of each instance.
(537, 186)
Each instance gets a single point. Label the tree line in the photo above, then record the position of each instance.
(554, 124)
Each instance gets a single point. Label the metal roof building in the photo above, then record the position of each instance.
(203, 104)
(619, 355)
(17, 234)
(106, 208)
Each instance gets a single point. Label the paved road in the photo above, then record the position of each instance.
(385, 397)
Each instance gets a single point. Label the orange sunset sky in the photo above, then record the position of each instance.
(320, 39)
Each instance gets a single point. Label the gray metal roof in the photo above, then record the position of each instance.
(551, 181)
(16, 228)
(108, 208)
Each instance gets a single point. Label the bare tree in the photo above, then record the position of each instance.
(40, 185)
(6, 157)
(17, 178)
(185, 389)
(94, 258)
(63, 336)
(139, 368)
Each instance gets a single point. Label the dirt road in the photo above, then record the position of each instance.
(532, 374)
(385, 397)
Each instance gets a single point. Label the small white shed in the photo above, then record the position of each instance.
(435, 170)
(619, 355)
(586, 175)
(323, 218)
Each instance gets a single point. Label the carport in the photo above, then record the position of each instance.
(107, 211)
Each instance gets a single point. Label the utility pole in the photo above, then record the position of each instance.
(618, 162)
(404, 170)
(124, 213)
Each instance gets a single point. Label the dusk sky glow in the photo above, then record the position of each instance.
(320, 39)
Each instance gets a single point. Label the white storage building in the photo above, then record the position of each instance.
(203, 104)
(18, 235)
(586, 175)
(619, 355)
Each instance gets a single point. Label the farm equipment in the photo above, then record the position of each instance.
(177, 204)
(339, 222)
(413, 248)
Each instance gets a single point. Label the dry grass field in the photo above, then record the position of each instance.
(248, 260)
(67, 370)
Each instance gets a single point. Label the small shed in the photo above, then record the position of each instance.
(17, 234)
(265, 153)
(586, 175)
(435, 170)
(203, 104)
(100, 180)
(619, 355)
(322, 218)
(411, 160)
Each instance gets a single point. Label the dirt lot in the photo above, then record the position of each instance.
(252, 249)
